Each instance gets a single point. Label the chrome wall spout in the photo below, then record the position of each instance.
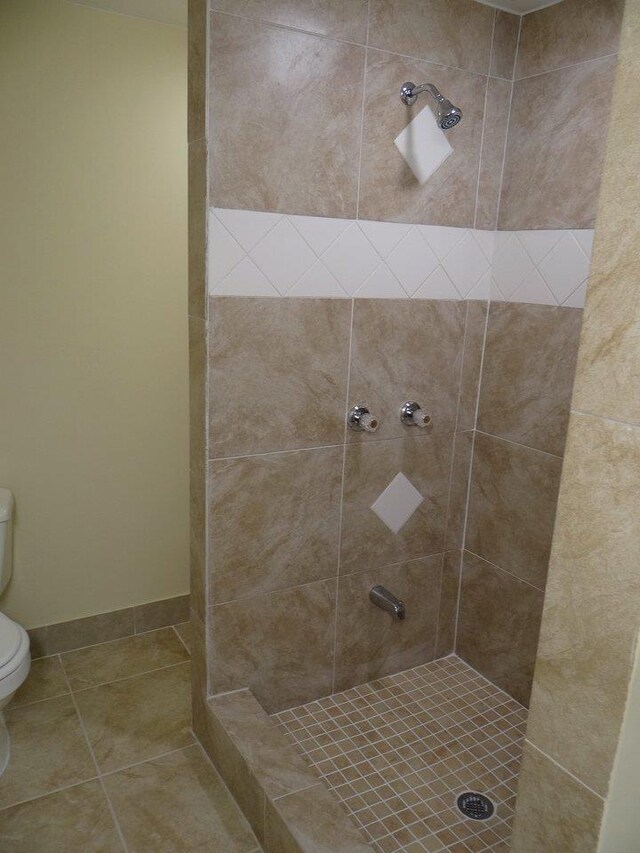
(381, 597)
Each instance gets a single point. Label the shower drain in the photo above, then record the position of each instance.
(475, 806)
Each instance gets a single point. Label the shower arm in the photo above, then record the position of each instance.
(409, 93)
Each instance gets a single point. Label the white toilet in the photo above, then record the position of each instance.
(15, 659)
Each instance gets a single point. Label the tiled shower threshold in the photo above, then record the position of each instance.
(377, 767)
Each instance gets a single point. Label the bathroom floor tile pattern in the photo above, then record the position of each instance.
(103, 757)
(398, 751)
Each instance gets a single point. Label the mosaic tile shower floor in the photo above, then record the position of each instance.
(398, 751)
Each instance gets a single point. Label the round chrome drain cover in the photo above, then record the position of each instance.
(475, 806)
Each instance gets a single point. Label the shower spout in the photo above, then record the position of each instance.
(448, 115)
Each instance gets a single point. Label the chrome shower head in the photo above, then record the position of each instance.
(448, 115)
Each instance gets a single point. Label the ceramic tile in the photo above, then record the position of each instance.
(528, 373)
(460, 471)
(45, 680)
(197, 542)
(75, 819)
(185, 632)
(567, 33)
(160, 614)
(197, 75)
(197, 397)
(177, 802)
(475, 324)
(370, 643)
(448, 611)
(454, 32)
(366, 540)
(496, 120)
(297, 390)
(555, 812)
(408, 367)
(498, 626)
(86, 632)
(48, 751)
(397, 503)
(197, 212)
(138, 718)
(388, 188)
(273, 521)
(261, 153)
(505, 44)
(552, 179)
(122, 658)
(585, 656)
(280, 645)
(512, 507)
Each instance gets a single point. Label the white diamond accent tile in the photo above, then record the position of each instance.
(482, 290)
(511, 265)
(318, 282)
(412, 261)
(283, 256)
(533, 290)
(578, 297)
(466, 265)
(585, 240)
(319, 231)
(565, 267)
(397, 503)
(245, 279)
(351, 259)
(441, 239)
(248, 227)
(384, 236)
(437, 286)
(224, 252)
(381, 284)
(538, 244)
(487, 242)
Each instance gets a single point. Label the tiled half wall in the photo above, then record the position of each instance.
(270, 254)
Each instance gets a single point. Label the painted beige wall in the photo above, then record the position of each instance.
(93, 335)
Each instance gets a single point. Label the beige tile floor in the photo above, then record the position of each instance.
(398, 751)
(103, 757)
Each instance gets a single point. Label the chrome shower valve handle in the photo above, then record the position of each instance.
(412, 414)
(360, 418)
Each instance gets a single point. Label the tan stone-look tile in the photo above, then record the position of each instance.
(197, 542)
(370, 643)
(90, 630)
(123, 658)
(528, 373)
(273, 521)
(589, 627)
(280, 645)
(340, 19)
(505, 44)
(453, 32)
(138, 718)
(198, 655)
(570, 32)
(388, 188)
(37, 642)
(557, 135)
(75, 819)
(512, 507)
(475, 324)
(177, 802)
(161, 614)
(369, 469)
(311, 820)
(197, 239)
(496, 122)
(448, 612)
(275, 764)
(265, 397)
(554, 812)
(185, 632)
(197, 69)
(48, 751)
(460, 471)
(45, 680)
(274, 148)
(197, 395)
(498, 626)
(404, 350)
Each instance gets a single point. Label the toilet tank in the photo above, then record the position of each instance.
(6, 513)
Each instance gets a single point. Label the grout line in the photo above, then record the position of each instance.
(506, 136)
(517, 444)
(362, 113)
(48, 793)
(196, 742)
(188, 650)
(484, 121)
(505, 571)
(129, 677)
(565, 67)
(564, 769)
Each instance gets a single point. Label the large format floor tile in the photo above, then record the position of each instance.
(177, 803)
(48, 751)
(138, 718)
(45, 680)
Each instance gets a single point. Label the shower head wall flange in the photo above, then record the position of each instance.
(448, 115)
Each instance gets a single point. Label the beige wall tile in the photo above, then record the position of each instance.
(370, 642)
(528, 373)
(453, 32)
(557, 813)
(341, 19)
(265, 397)
(460, 471)
(198, 654)
(280, 645)
(498, 626)
(197, 239)
(405, 350)
(592, 607)
(512, 507)
(448, 613)
(274, 521)
(160, 614)
(197, 395)
(287, 108)
(505, 44)
(388, 187)
(568, 32)
(369, 468)
(557, 135)
(471, 363)
(496, 123)
(197, 543)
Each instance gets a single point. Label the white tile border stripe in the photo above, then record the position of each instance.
(280, 255)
